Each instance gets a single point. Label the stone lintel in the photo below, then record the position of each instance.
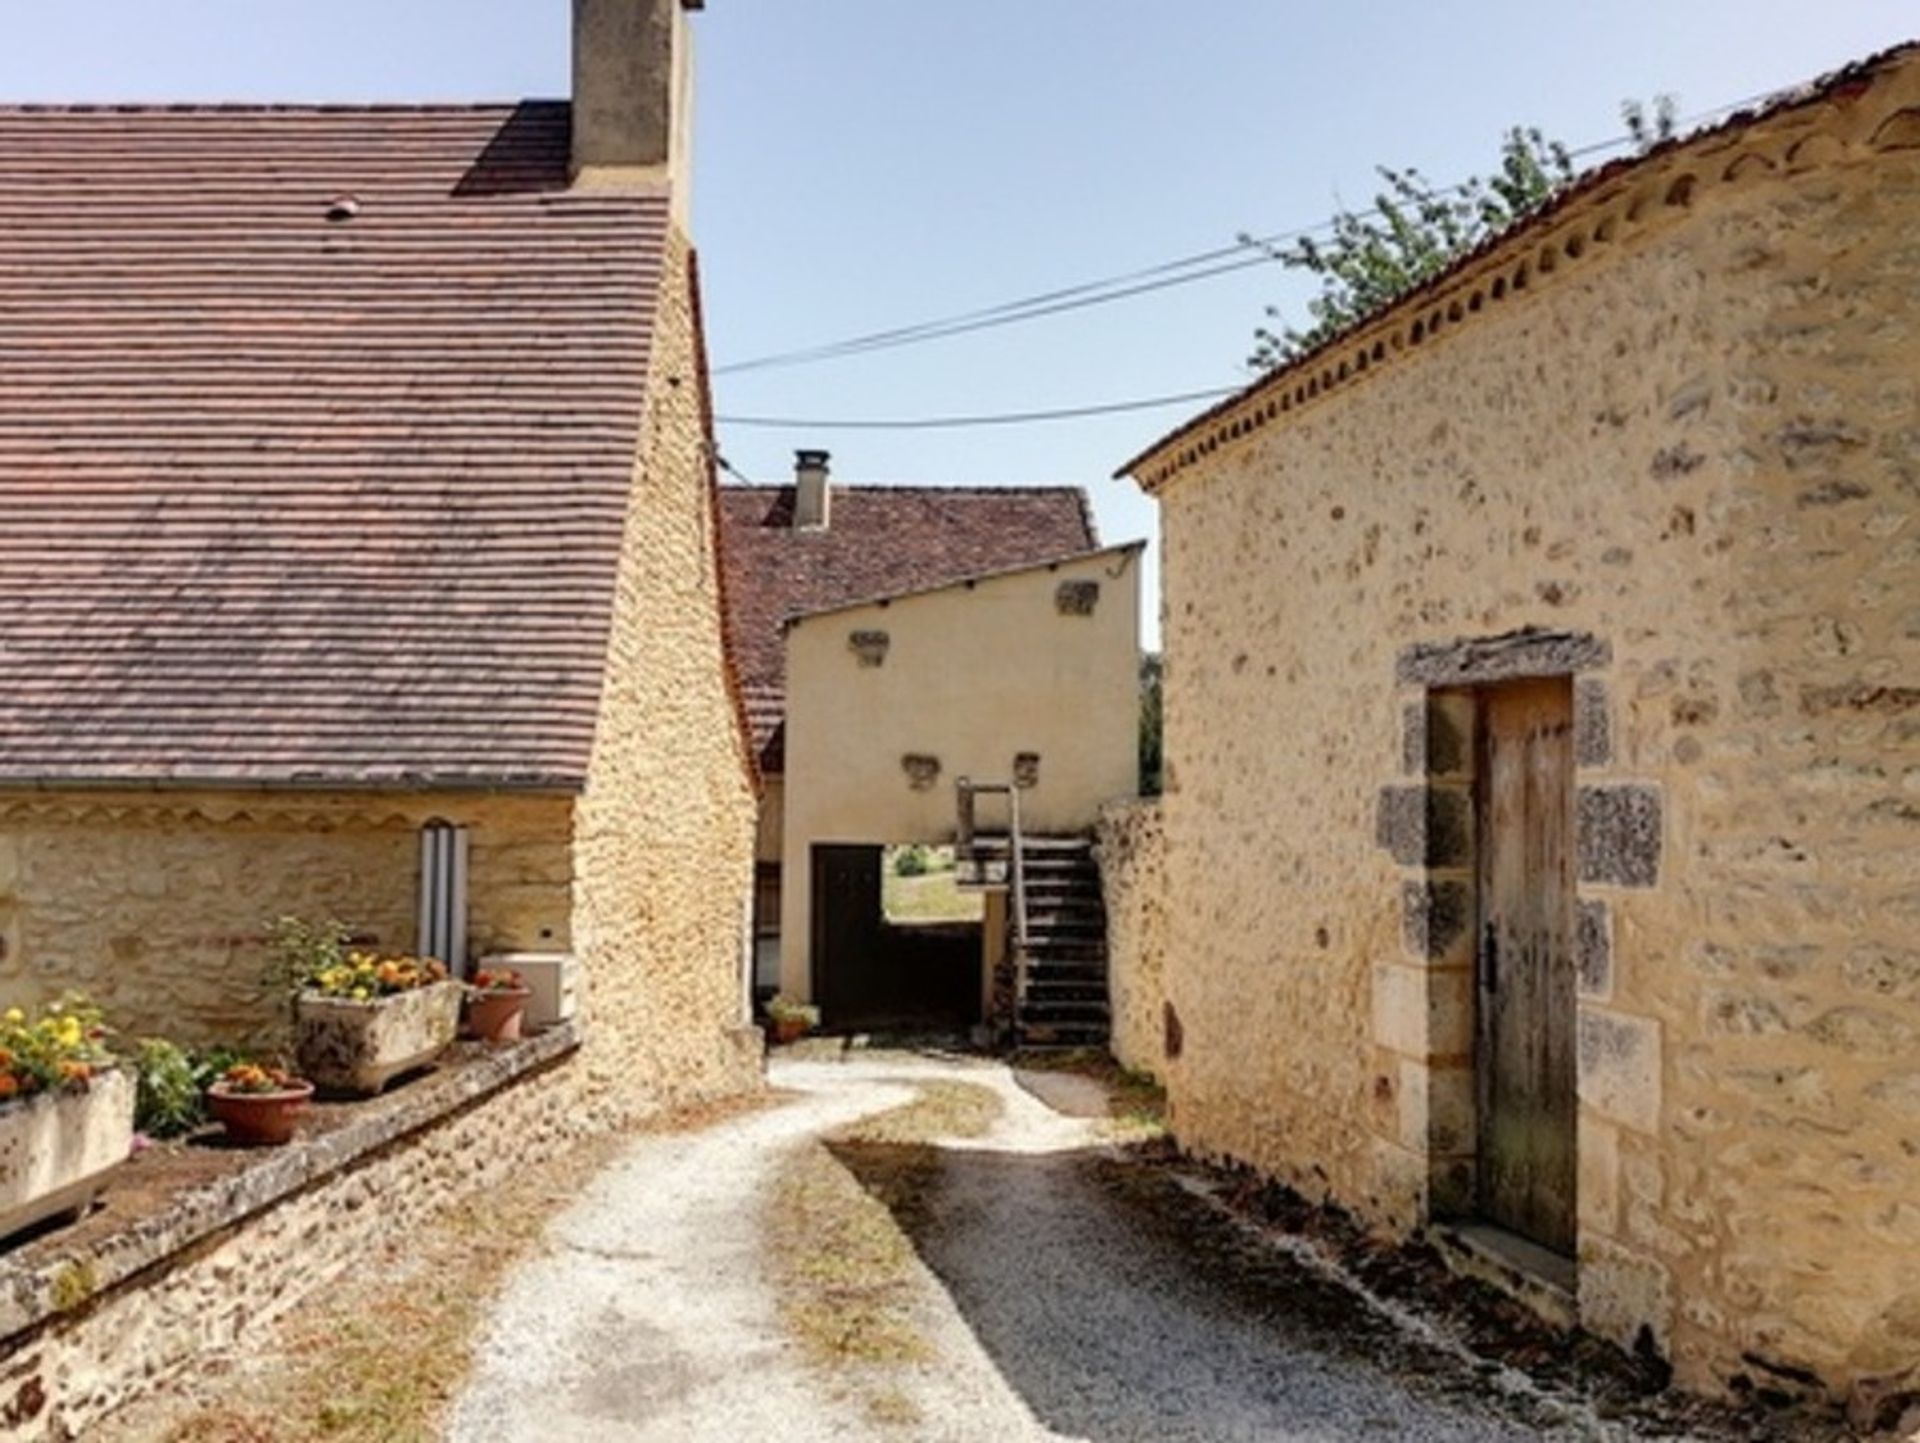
(1475, 661)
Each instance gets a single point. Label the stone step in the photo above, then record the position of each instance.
(1090, 980)
(1079, 957)
(1065, 1014)
(1063, 1035)
(1064, 924)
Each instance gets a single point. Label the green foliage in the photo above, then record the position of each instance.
(299, 950)
(1150, 752)
(76, 1281)
(784, 1009)
(1415, 230)
(58, 1048)
(912, 861)
(167, 1099)
(1648, 125)
(171, 1084)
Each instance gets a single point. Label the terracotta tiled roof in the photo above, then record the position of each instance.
(290, 498)
(883, 540)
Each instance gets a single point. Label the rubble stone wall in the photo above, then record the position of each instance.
(1668, 445)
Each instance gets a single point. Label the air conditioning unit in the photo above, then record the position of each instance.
(552, 977)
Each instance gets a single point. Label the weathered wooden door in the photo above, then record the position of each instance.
(1525, 1035)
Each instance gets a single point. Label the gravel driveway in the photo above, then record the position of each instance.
(1063, 1296)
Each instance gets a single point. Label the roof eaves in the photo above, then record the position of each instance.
(544, 783)
(1845, 83)
(1052, 563)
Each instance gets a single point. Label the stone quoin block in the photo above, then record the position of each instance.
(1592, 725)
(1413, 738)
(1434, 916)
(1619, 1066)
(1425, 826)
(1619, 835)
(1436, 736)
(1593, 949)
(1422, 1013)
(1625, 1296)
(1598, 1176)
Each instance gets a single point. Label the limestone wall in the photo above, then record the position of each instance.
(1131, 848)
(1681, 427)
(157, 903)
(665, 831)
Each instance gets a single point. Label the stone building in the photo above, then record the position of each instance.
(359, 559)
(1542, 843)
(357, 488)
(895, 639)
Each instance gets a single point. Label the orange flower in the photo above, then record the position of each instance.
(71, 1071)
(9, 1085)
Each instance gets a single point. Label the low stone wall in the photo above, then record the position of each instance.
(91, 1317)
(1130, 847)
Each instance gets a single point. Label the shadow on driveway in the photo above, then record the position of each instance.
(1120, 1308)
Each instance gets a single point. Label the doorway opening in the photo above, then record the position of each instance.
(1525, 982)
(874, 966)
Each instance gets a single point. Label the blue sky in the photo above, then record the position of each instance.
(870, 163)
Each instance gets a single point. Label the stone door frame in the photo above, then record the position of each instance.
(1424, 999)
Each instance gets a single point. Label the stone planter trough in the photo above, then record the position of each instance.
(57, 1148)
(359, 1047)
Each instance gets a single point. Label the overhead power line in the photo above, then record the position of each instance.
(1003, 418)
(1184, 270)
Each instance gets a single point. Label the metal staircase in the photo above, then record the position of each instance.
(1053, 992)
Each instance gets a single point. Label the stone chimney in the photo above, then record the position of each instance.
(632, 93)
(812, 495)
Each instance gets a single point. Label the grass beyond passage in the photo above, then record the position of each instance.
(842, 1267)
(931, 895)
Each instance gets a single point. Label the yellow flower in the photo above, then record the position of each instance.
(361, 994)
(15, 1016)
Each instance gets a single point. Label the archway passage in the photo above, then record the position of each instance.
(869, 972)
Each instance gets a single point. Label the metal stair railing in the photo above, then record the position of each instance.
(966, 852)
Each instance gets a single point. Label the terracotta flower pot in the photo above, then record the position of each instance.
(495, 1015)
(789, 1029)
(259, 1119)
